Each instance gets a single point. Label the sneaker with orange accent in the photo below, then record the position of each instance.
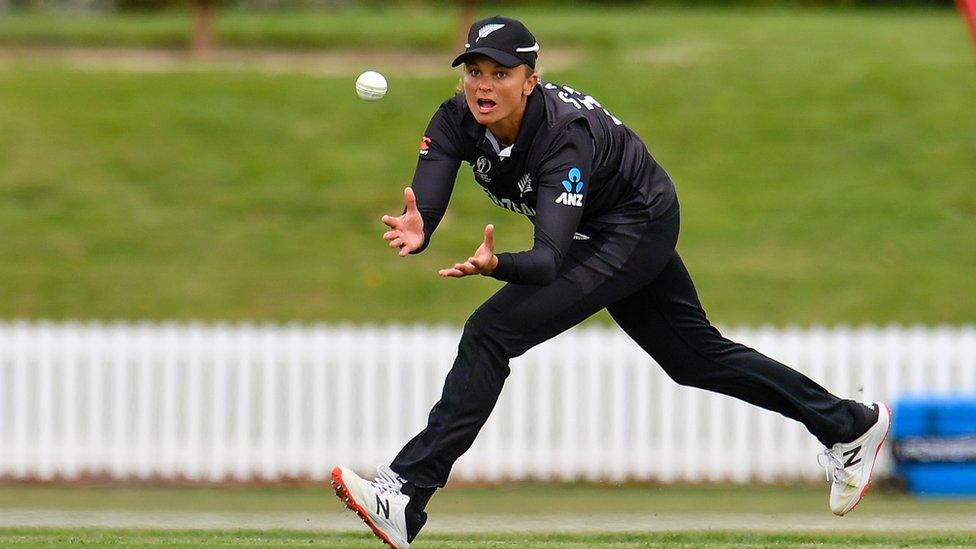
(849, 464)
(379, 503)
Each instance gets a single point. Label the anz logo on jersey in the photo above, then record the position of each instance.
(573, 186)
(579, 100)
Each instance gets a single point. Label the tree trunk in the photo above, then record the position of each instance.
(204, 38)
(466, 15)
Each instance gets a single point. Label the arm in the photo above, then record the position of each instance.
(563, 184)
(433, 181)
(436, 171)
(559, 208)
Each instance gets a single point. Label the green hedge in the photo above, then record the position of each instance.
(143, 5)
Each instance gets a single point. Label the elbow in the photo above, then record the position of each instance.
(538, 267)
(548, 276)
(546, 273)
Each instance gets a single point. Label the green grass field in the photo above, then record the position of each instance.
(824, 160)
(790, 504)
(245, 538)
(517, 499)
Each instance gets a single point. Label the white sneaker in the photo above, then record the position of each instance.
(849, 464)
(379, 503)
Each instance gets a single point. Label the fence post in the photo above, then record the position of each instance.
(216, 402)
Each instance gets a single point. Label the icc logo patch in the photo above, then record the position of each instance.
(573, 185)
(481, 169)
(483, 165)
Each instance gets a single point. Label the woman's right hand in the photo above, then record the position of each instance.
(406, 231)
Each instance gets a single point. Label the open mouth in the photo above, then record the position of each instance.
(485, 105)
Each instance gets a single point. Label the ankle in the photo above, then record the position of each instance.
(415, 514)
(865, 417)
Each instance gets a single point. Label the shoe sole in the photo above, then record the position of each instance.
(877, 451)
(342, 492)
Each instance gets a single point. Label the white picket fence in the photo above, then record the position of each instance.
(243, 402)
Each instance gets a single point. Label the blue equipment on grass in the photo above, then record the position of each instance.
(934, 444)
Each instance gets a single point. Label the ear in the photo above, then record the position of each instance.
(530, 84)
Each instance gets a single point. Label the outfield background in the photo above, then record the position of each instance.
(825, 159)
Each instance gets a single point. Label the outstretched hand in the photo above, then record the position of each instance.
(407, 230)
(483, 261)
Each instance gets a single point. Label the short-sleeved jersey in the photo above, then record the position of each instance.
(573, 170)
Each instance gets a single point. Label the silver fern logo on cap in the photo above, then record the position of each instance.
(488, 29)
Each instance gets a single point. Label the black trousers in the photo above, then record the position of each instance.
(635, 273)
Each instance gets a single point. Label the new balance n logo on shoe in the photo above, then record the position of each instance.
(850, 455)
(382, 506)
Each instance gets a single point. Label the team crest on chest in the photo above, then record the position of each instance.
(525, 185)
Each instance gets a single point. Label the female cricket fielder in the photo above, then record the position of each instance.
(606, 225)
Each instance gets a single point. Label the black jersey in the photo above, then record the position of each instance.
(574, 169)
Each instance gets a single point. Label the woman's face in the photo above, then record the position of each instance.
(495, 92)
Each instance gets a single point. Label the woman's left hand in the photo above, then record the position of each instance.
(483, 261)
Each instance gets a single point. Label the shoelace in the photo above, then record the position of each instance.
(833, 466)
(387, 480)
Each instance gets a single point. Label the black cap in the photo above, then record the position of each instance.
(503, 39)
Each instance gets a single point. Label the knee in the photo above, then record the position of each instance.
(478, 325)
(484, 331)
(689, 368)
(684, 374)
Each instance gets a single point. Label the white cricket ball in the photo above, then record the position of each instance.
(371, 86)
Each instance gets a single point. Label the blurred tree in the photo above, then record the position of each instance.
(143, 4)
(13, 4)
(466, 14)
(204, 37)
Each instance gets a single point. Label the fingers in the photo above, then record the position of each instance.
(410, 199)
(459, 270)
(490, 236)
(395, 239)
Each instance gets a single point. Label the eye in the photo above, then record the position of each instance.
(474, 72)
(501, 74)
